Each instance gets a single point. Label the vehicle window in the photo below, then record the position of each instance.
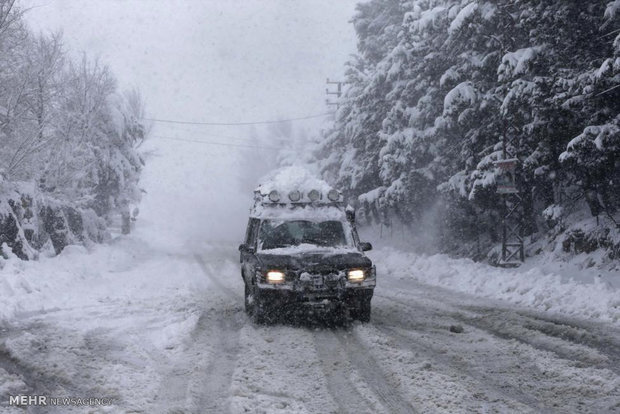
(276, 233)
(248, 232)
(250, 237)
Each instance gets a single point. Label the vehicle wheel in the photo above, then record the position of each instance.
(248, 305)
(259, 311)
(362, 312)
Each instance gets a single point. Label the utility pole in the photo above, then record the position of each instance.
(337, 92)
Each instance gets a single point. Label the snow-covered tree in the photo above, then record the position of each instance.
(68, 141)
(439, 85)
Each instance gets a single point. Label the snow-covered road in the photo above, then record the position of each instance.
(172, 337)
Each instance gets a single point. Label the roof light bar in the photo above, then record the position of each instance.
(274, 196)
(294, 196)
(333, 195)
(314, 195)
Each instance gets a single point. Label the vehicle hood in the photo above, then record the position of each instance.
(313, 260)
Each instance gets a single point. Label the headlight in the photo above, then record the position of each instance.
(275, 276)
(356, 275)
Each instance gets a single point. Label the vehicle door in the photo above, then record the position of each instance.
(248, 252)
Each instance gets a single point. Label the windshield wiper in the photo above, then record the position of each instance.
(310, 240)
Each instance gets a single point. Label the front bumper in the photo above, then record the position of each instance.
(317, 291)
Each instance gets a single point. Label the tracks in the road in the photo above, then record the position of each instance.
(215, 344)
(337, 348)
(486, 384)
(36, 384)
(501, 366)
(568, 339)
(211, 377)
(533, 333)
(210, 271)
(373, 374)
(341, 388)
(589, 335)
(38, 378)
(516, 355)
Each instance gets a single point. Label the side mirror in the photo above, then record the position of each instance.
(244, 248)
(350, 213)
(365, 246)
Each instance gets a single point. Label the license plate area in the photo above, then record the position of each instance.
(317, 282)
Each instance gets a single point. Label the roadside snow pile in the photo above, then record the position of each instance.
(125, 271)
(535, 285)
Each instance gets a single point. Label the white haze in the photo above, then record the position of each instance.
(214, 61)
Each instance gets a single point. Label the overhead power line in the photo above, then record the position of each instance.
(224, 144)
(174, 121)
(201, 135)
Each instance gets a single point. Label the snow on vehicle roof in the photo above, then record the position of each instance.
(292, 178)
(292, 212)
(312, 249)
(288, 181)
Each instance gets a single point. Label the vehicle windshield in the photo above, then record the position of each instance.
(275, 234)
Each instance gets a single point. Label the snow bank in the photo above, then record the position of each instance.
(551, 289)
(128, 270)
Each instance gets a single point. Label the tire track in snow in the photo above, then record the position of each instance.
(490, 386)
(335, 348)
(505, 324)
(36, 383)
(568, 339)
(604, 339)
(372, 372)
(495, 323)
(552, 332)
(209, 271)
(39, 379)
(211, 379)
(209, 387)
(509, 324)
(343, 391)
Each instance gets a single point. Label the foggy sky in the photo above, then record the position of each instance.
(215, 61)
(220, 60)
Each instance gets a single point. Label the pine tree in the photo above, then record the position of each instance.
(439, 86)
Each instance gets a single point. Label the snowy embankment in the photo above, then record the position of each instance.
(127, 271)
(130, 270)
(111, 320)
(556, 287)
